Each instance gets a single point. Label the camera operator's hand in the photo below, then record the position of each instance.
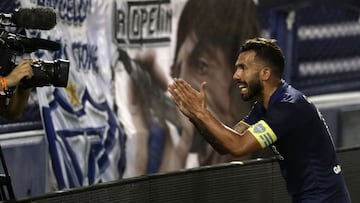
(12, 106)
(23, 70)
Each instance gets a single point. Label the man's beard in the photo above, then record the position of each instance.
(255, 89)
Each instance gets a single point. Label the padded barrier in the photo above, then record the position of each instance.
(251, 181)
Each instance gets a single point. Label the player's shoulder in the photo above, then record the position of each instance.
(291, 100)
(285, 93)
(291, 95)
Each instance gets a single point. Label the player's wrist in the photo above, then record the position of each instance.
(202, 114)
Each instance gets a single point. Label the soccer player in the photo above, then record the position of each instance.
(281, 118)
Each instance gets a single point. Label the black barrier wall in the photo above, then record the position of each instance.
(250, 181)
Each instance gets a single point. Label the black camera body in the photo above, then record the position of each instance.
(45, 73)
(48, 73)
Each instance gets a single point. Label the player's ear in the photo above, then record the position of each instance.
(265, 73)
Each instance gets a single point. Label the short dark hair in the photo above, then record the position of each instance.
(268, 51)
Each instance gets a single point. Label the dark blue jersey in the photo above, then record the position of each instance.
(296, 131)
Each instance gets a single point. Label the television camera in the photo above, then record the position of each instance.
(45, 73)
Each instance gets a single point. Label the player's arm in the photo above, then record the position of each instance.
(224, 139)
(241, 126)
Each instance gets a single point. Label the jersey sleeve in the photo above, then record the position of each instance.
(254, 115)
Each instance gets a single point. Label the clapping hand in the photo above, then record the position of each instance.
(189, 101)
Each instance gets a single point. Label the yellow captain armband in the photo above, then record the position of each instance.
(263, 133)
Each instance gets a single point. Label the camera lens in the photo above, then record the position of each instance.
(48, 73)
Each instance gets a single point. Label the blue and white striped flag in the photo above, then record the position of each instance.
(86, 144)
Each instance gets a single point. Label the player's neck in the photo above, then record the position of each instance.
(268, 91)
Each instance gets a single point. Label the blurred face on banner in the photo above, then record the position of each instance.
(207, 47)
(199, 62)
(209, 36)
